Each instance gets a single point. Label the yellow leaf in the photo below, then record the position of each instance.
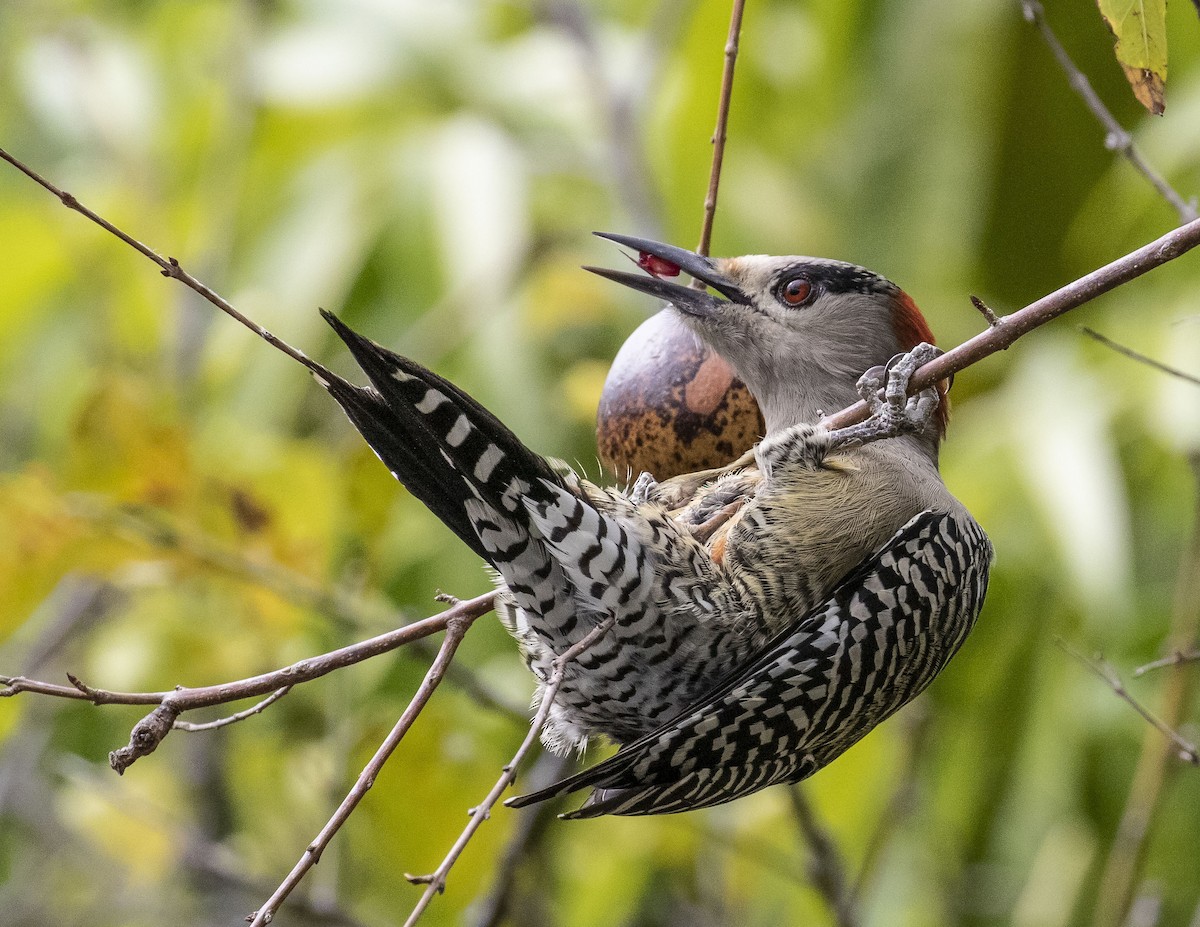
(1140, 30)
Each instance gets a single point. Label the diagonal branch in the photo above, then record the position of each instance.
(456, 628)
(1007, 329)
(1140, 358)
(1117, 139)
(435, 882)
(1102, 668)
(149, 732)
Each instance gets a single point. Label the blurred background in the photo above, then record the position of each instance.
(179, 504)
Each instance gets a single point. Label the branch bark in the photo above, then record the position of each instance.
(721, 132)
(435, 882)
(1117, 138)
(456, 629)
(1007, 329)
(148, 733)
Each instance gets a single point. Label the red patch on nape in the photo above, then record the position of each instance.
(911, 329)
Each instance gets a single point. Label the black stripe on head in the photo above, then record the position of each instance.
(837, 277)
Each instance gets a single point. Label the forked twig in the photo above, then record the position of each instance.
(1102, 668)
(259, 707)
(456, 629)
(1117, 138)
(435, 882)
(148, 733)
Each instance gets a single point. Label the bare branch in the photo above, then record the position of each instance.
(1120, 876)
(826, 867)
(150, 731)
(721, 131)
(1140, 358)
(435, 882)
(456, 629)
(1103, 669)
(255, 709)
(170, 266)
(1117, 139)
(1011, 327)
(1175, 659)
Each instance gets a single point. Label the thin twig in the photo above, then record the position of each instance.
(826, 867)
(170, 266)
(1102, 668)
(530, 829)
(192, 727)
(1117, 139)
(1176, 658)
(1120, 875)
(985, 310)
(456, 629)
(148, 733)
(435, 882)
(1140, 358)
(721, 132)
(1011, 327)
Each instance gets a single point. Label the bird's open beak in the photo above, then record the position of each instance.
(684, 298)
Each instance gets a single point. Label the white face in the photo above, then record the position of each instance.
(799, 331)
(809, 329)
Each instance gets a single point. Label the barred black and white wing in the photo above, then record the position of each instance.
(813, 691)
(570, 553)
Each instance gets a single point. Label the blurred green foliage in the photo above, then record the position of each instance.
(175, 496)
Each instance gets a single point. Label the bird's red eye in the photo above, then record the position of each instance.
(796, 291)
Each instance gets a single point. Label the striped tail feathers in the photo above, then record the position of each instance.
(444, 446)
(429, 478)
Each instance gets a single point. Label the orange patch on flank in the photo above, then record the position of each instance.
(717, 551)
(911, 329)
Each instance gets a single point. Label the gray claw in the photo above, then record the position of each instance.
(896, 413)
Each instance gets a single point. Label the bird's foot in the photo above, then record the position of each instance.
(896, 413)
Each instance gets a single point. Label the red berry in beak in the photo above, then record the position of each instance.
(656, 266)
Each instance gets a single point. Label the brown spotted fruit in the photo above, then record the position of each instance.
(671, 405)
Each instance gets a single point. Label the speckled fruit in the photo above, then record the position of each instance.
(670, 405)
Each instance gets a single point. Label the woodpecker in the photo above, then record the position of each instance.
(767, 614)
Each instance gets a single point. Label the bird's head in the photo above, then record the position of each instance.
(799, 331)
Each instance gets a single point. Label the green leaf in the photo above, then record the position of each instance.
(1140, 28)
